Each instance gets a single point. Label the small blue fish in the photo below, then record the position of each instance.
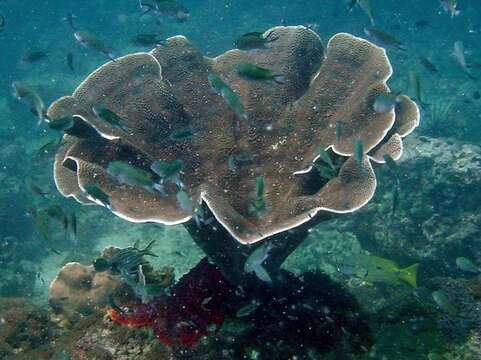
(339, 130)
(359, 152)
(255, 260)
(185, 202)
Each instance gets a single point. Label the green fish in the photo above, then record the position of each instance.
(428, 64)
(393, 166)
(255, 261)
(258, 205)
(34, 188)
(185, 202)
(325, 171)
(230, 97)
(30, 97)
(324, 155)
(254, 40)
(108, 116)
(365, 5)
(41, 222)
(33, 56)
(359, 152)
(375, 269)
(90, 41)
(385, 103)
(168, 170)
(61, 124)
(57, 213)
(339, 130)
(73, 227)
(383, 38)
(254, 72)
(415, 84)
(467, 265)
(442, 300)
(171, 9)
(450, 6)
(131, 175)
(97, 194)
(182, 134)
(395, 198)
(49, 148)
(147, 40)
(248, 309)
(69, 60)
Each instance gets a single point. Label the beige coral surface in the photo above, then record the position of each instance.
(167, 90)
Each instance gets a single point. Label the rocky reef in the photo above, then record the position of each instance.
(440, 220)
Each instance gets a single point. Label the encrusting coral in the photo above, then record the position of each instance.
(80, 290)
(167, 90)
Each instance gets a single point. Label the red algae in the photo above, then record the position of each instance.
(193, 308)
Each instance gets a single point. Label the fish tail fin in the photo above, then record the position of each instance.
(111, 56)
(410, 275)
(262, 274)
(280, 79)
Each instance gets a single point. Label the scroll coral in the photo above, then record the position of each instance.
(167, 90)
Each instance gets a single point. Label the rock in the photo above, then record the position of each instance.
(79, 290)
(437, 216)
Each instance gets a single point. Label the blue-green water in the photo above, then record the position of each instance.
(424, 211)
